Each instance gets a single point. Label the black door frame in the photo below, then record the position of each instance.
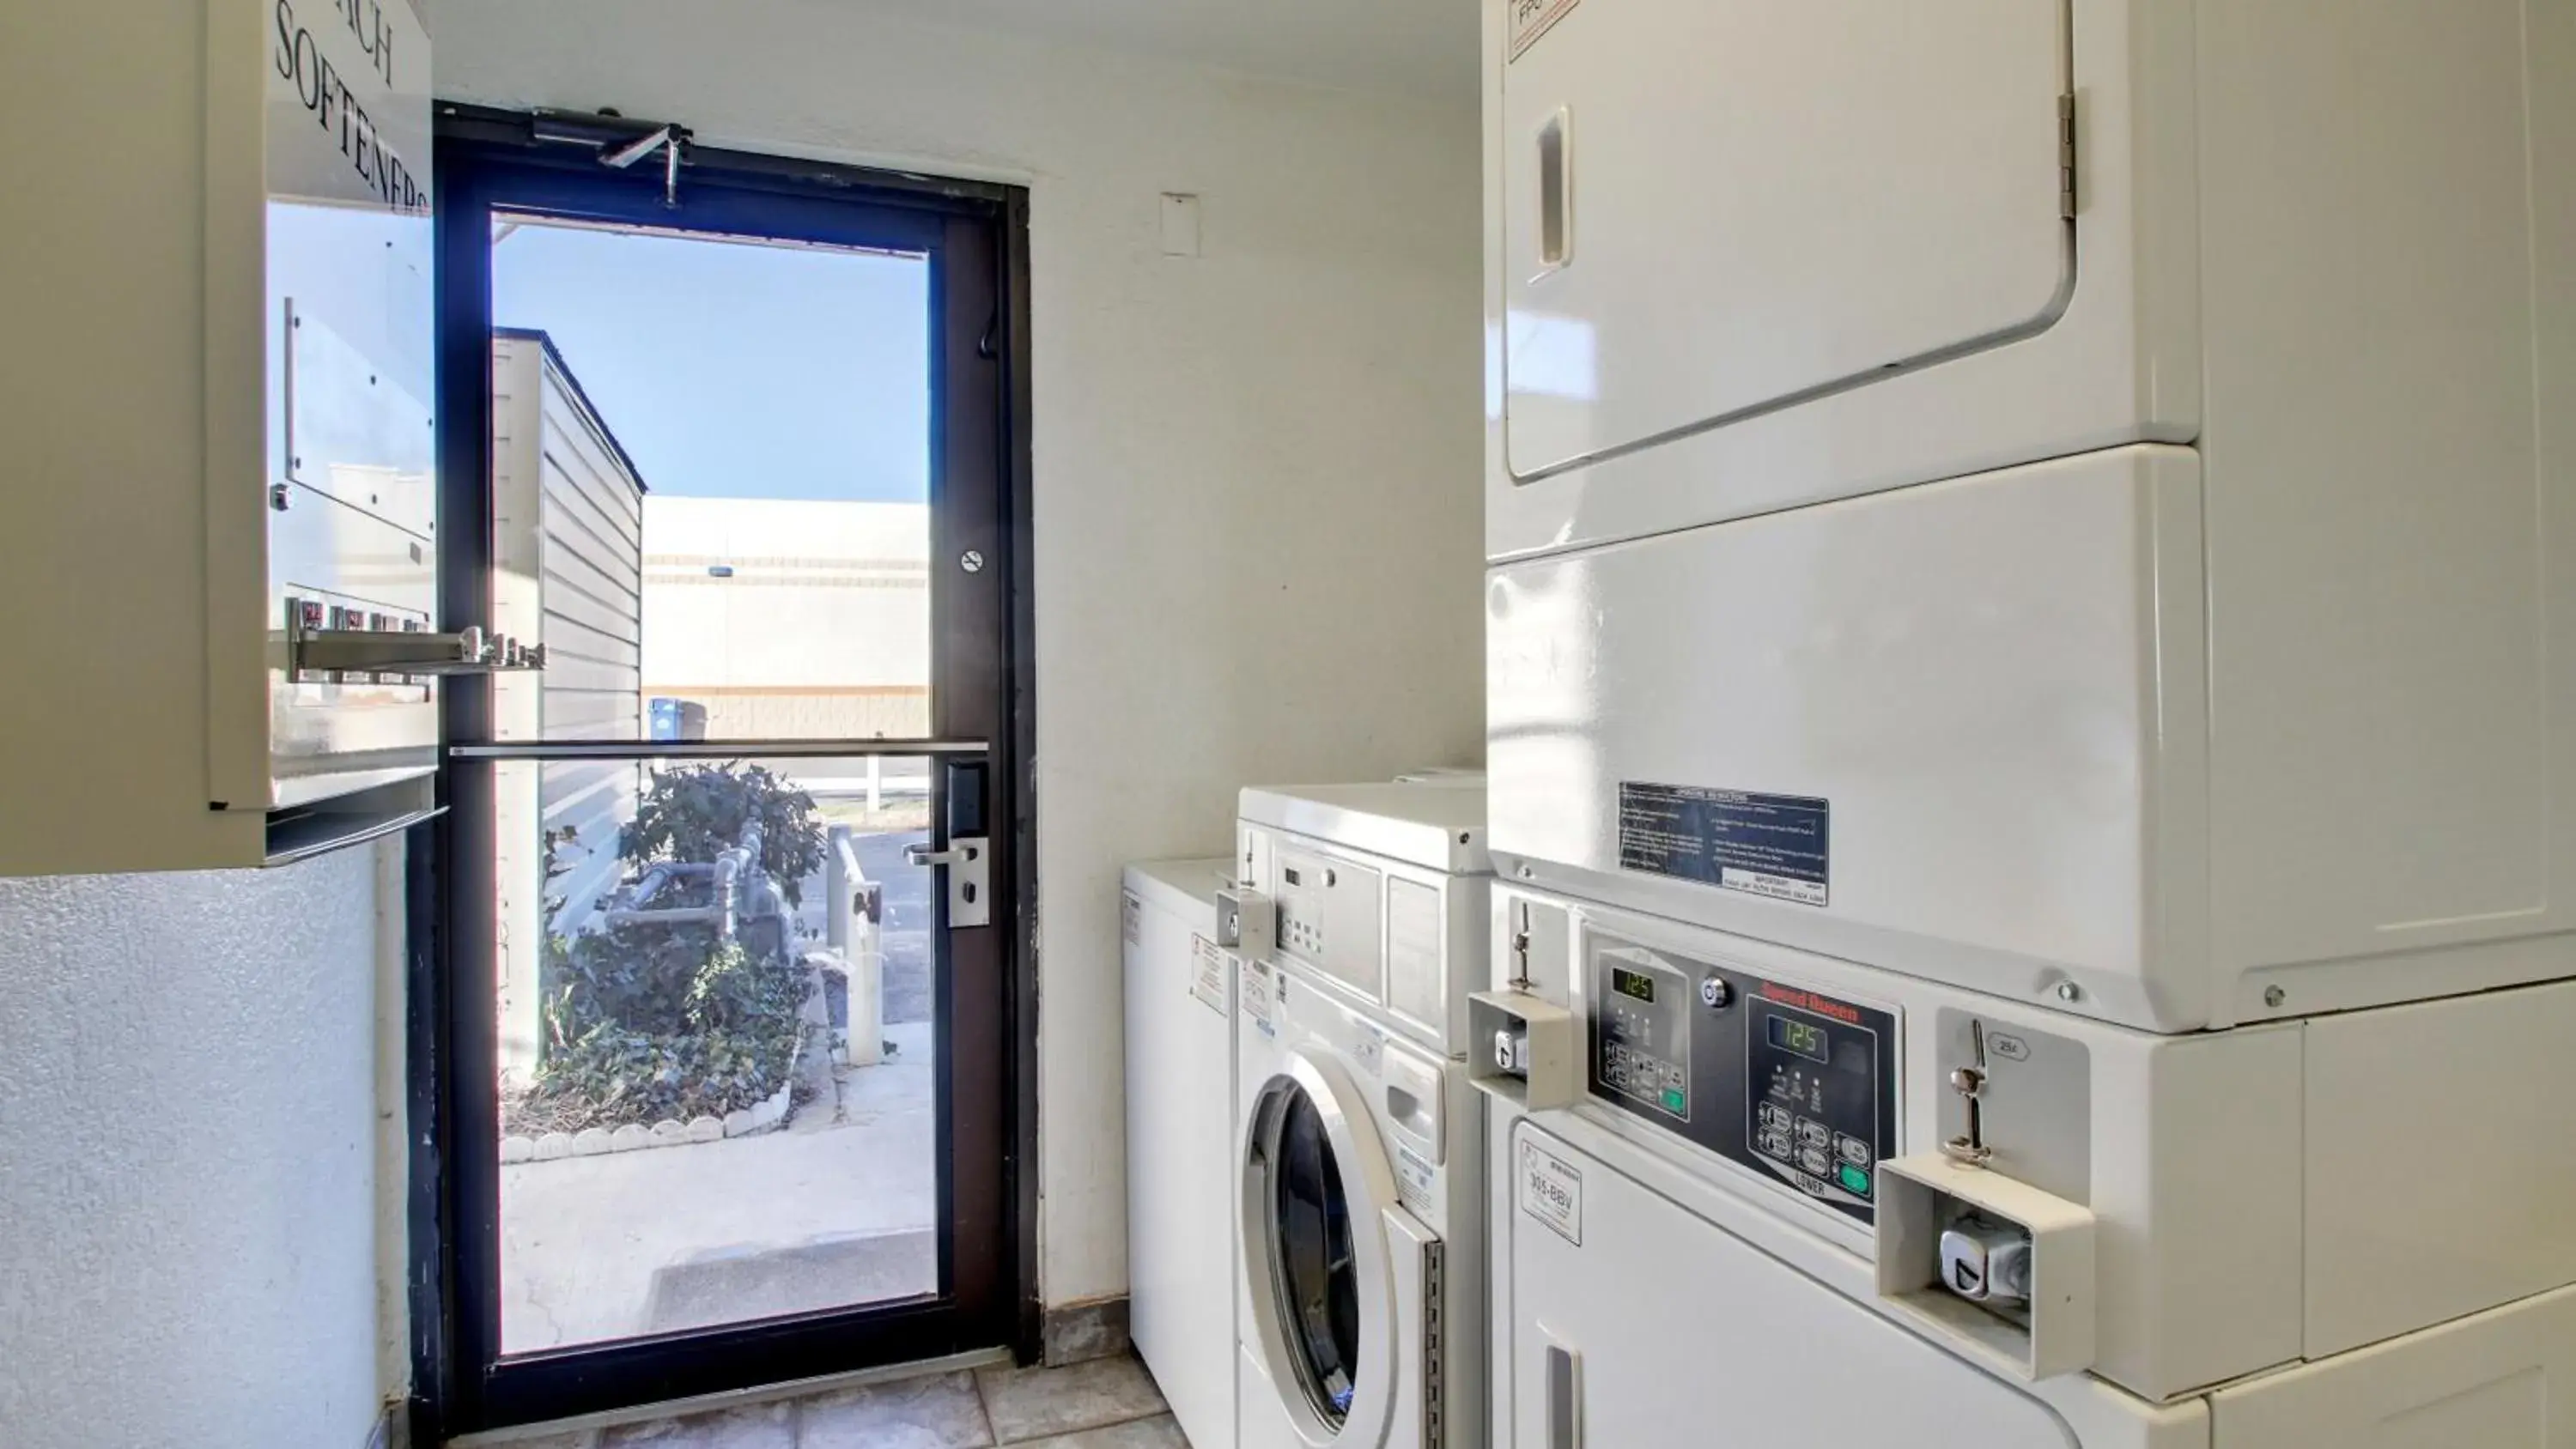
(489, 157)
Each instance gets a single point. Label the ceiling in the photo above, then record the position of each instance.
(1420, 47)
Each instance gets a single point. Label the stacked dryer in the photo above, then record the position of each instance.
(1359, 1141)
(2031, 544)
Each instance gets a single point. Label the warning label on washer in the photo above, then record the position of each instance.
(1412, 1181)
(1256, 999)
(1207, 973)
(1778, 846)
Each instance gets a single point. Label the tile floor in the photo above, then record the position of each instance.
(1109, 1403)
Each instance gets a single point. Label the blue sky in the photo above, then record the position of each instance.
(735, 371)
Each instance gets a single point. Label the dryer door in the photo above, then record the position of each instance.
(1716, 208)
(1637, 1324)
(1321, 1302)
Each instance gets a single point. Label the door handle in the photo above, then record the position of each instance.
(1564, 1398)
(968, 862)
(1556, 192)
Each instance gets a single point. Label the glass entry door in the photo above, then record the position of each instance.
(728, 883)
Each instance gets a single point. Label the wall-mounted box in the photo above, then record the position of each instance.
(221, 515)
(1523, 1050)
(1998, 1269)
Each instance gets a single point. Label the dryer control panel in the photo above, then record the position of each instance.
(1786, 1081)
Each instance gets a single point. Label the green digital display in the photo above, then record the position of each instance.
(1635, 984)
(1803, 1037)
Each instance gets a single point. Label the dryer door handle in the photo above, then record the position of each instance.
(1556, 192)
(1564, 1398)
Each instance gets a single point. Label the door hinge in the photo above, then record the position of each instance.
(2066, 156)
(1435, 1362)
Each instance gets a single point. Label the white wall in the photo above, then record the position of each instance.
(1257, 471)
(190, 1161)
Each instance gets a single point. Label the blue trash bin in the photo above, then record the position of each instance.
(674, 720)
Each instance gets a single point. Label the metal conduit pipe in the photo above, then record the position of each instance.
(729, 869)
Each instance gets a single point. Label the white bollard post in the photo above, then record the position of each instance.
(866, 960)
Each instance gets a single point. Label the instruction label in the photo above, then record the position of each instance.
(1412, 1181)
(1131, 918)
(1256, 999)
(1534, 18)
(1551, 1190)
(1207, 973)
(1778, 846)
(1368, 1049)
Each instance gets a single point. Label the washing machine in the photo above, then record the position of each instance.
(1180, 1139)
(1360, 1217)
(1359, 1146)
(1766, 1196)
(1379, 889)
(2071, 499)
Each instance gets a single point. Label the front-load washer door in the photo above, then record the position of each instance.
(1718, 208)
(1321, 1309)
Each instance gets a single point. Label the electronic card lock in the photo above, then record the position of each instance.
(968, 860)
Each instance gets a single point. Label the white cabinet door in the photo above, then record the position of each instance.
(2488, 1381)
(1639, 1325)
(1716, 207)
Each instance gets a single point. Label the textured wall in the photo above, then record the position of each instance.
(1259, 546)
(189, 1158)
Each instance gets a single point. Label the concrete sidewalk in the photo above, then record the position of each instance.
(837, 1209)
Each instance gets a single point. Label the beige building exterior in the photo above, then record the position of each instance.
(790, 619)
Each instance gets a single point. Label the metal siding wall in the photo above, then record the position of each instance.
(593, 632)
(517, 609)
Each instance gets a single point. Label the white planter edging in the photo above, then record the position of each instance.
(761, 1116)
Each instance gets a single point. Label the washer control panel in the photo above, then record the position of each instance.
(1785, 1081)
(1641, 1032)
